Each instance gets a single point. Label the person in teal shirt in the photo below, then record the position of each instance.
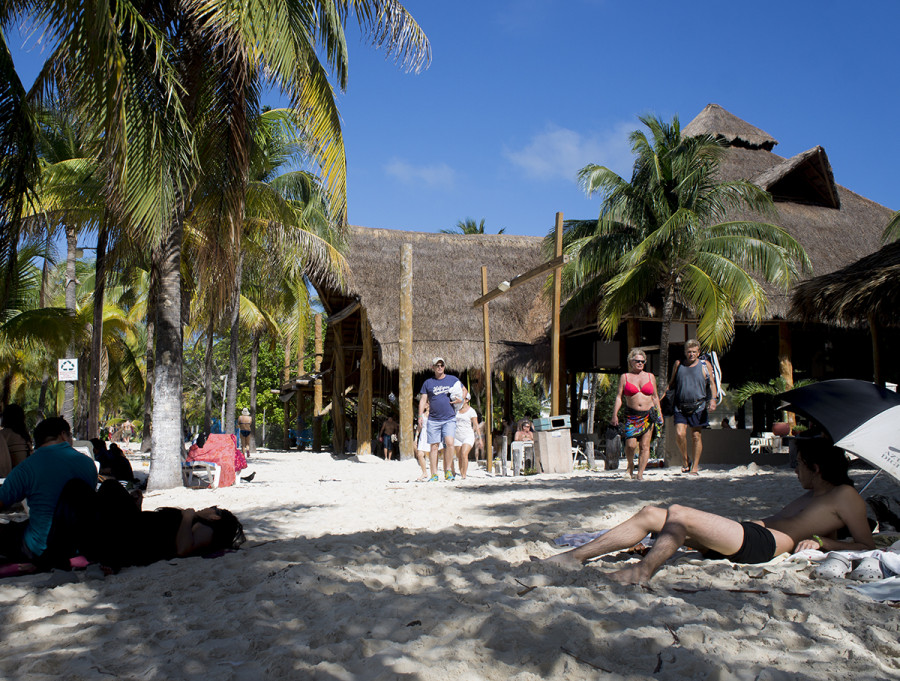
(40, 480)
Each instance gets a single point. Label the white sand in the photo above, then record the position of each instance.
(352, 571)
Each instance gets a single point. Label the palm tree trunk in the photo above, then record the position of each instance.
(662, 374)
(42, 303)
(152, 294)
(166, 453)
(254, 364)
(68, 410)
(93, 428)
(234, 355)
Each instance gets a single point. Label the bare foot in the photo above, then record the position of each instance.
(630, 575)
(565, 559)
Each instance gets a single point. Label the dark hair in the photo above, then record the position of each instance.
(99, 446)
(228, 533)
(49, 429)
(14, 419)
(832, 462)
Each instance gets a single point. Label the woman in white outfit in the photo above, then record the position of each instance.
(467, 432)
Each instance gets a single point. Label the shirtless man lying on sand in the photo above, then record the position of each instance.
(809, 522)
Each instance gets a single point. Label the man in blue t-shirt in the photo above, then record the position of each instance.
(40, 480)
(440, 394)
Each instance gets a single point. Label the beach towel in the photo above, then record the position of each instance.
(223, 450)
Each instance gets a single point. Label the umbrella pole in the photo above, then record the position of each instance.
(871, 480)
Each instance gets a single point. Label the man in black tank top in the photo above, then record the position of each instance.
(691, 380)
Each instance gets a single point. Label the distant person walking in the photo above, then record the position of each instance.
(441, 392)
(467, 433)
(245, 426)
(387, 435)
(695, 396)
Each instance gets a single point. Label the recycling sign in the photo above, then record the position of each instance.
(68, 369)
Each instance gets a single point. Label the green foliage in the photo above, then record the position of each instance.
(526, 401)
(775, 386)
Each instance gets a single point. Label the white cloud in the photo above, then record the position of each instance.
(560, 153)
(436, 175)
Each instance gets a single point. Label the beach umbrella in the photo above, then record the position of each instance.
(862, 418)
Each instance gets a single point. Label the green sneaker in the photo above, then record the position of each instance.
(448, 475)
(433, 478)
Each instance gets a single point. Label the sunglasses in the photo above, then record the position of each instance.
(639, 361)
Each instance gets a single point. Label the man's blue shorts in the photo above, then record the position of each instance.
(699, 419)
(439, 431)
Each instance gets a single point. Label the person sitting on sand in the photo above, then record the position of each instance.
(811, 521)
(40, 480)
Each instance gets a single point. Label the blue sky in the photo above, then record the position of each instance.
(522, 93)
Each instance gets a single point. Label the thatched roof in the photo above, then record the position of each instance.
(719, 123)
(865, 291)
(446, 280)
(833, 224)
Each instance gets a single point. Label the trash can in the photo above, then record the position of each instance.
(553, 444)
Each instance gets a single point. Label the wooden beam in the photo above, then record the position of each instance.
(337, 390)
(407, 412)
(554, 332)
(364, 402)
(488, 403)
(317, 394)
(558, 261)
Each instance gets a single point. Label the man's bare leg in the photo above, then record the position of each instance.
(631, 445)
(706, 530)
(449, 454)
(681, 441)
(433, 457)
(648, 519)
(697, 440)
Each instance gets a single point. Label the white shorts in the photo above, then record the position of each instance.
(468, 440)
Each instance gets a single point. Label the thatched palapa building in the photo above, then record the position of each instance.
(446, 280)
(865, 294)
(834, 225)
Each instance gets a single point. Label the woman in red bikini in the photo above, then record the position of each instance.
(643, 417)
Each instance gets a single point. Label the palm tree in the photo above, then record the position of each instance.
(665, 235)
(469, 226)
(162, 80)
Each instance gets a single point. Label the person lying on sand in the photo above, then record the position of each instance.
(811, 521)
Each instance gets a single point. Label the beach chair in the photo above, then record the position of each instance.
(200, 473)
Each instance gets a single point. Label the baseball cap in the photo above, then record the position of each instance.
(438, 359)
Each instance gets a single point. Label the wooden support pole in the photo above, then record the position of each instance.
(337, 390)
(785, 364)
(554, 337)
(488, 402)
(364, 403)
(877, 375)
(407, 410)
(317, 389)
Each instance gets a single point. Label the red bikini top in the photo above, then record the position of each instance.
(631, 389)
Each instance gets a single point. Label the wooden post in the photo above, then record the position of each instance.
(554, 337)
(364, 403)
(785, 364)
(317, 394)
(337, 390)
(633, 327)
(877, 376)
(407, 412)
(488, 402)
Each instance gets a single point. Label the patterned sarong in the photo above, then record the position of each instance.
(639, 422)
